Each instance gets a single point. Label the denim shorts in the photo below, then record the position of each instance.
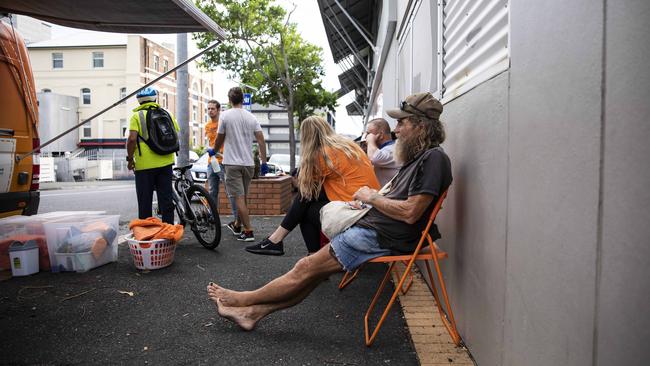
(355, 246)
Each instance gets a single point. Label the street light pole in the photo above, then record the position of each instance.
(182, 100)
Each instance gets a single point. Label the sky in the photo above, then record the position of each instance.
(310, 24)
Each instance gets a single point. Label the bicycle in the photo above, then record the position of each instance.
(195, 207)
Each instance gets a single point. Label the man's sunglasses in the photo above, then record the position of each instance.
(407, 104)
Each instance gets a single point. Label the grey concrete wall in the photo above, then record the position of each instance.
(553, 182)
(623, 321)
(547, 223)
(473, 220)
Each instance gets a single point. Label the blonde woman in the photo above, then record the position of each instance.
(332, 168)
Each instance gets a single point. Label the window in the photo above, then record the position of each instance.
(195, 112)
(123, 94)
(85, 96)
(165, 65)
(205, 115)
(165, 101)
(98, 59)
(57, 60)
(195, 92)
(277, 115)
(123, 127)
(87, 131)
(278, 131)
(156, 62)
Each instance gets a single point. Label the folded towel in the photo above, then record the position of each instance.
(152, 228)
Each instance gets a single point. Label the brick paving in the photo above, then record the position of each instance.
(430, 338)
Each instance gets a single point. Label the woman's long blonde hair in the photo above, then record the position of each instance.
(316, 135)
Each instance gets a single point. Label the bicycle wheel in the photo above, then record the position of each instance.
(207, 225)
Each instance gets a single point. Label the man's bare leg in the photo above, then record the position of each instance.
(242, 211)
(246, 317)
(313, 268)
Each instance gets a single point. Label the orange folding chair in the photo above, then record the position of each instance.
(432, 253)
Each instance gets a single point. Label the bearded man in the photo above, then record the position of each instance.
(394, 224)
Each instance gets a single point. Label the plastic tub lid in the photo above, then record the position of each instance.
(18, 246)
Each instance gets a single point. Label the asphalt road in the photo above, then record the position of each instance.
(116, 314)
(116, 198)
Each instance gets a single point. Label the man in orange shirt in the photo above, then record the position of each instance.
(214, 110)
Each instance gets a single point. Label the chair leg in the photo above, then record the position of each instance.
(371, 338)
(348, 277)
(403, 289)
(447, 318)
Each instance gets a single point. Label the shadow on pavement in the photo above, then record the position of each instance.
(91, 318)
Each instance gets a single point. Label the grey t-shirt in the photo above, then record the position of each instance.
(429, 173)
(239, 126)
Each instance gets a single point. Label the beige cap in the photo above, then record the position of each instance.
(420, 105)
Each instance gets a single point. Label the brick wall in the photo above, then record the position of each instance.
(266, 196)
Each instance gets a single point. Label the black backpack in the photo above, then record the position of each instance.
(158, 131)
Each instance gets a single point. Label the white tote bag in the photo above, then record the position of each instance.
(338, 216)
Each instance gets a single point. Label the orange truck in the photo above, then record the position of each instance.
(19, 192)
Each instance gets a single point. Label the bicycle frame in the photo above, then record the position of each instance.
(180, 199)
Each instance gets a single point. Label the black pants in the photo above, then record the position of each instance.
(306, 214)
(160, 180)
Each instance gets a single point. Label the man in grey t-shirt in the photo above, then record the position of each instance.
(236, 131)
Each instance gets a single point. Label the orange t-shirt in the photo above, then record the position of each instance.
(347, 176)
(211, 131)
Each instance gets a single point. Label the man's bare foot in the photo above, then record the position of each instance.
(228, 297)
(243, 316)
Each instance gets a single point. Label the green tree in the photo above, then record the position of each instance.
(263, 49)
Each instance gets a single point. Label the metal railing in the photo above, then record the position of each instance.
(87, 165)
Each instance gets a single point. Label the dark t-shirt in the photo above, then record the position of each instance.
(429, 173)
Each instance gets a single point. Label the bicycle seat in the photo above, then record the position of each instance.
(183, 169)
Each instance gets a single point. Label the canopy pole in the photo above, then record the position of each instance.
(19, 158)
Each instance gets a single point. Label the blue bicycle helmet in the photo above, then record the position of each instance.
(147, 95)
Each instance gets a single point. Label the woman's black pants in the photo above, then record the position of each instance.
(306, 213)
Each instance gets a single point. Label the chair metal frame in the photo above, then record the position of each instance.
(431, 253)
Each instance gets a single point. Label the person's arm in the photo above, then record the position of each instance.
(218, 143)
(371, 142)
(259, 135)
(408, 211)
(131, 141)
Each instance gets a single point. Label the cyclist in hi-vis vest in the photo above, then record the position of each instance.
(153, 171)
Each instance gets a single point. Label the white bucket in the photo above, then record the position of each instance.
(24, 258)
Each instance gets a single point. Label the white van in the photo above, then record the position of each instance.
(282, 160)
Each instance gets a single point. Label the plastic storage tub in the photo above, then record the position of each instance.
(33, 225)
(83, 245)
(23, 228)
